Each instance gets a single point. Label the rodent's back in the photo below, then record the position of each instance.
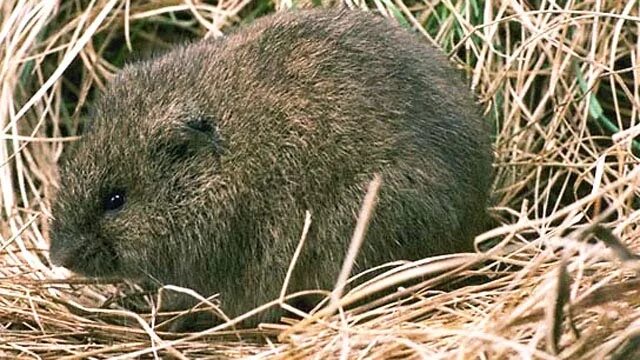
(295, 113)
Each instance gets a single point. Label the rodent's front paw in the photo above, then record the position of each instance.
(193, 322)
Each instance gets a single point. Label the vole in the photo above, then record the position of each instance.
(198, 166)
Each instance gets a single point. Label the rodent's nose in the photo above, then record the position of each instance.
(61, 257)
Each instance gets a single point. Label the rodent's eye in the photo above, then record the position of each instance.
(115, 200)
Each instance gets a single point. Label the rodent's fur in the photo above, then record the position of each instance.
(221, 146)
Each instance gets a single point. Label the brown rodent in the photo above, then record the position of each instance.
(199, 165)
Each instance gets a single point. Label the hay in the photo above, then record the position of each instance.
(561, 82)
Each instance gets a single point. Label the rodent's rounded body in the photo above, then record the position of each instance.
(216, 150)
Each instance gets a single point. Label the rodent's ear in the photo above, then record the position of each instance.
(204, 124)
(197, 133)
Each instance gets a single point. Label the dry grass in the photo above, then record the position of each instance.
(561, 80)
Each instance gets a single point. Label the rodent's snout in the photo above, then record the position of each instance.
(61, 256)
(82, 254)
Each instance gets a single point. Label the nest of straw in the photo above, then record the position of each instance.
(559, 80)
